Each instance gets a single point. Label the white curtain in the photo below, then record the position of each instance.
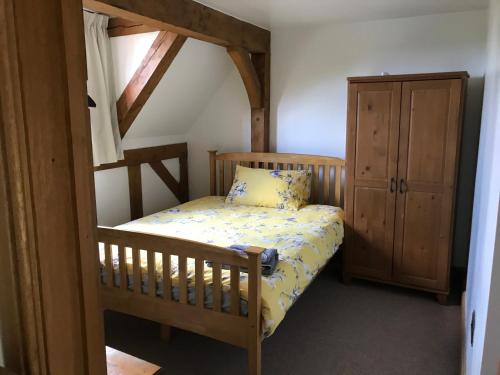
(106, 140)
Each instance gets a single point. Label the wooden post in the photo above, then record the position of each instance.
(261, 116)
(213, 172)
(135, 191)
(47, 219)
(254, 310)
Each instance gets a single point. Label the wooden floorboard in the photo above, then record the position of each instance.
(119, 363)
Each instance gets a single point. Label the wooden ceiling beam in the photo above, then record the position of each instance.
(146, 78)
(120, 27)
(188, 18)
(241, 59)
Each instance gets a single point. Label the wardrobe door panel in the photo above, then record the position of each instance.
(372, 141)
(429, 112)
(421, 235)
(371, 249)
(427, 166)
(372, 150)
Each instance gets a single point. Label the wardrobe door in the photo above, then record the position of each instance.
(428, 153)
(372, 148)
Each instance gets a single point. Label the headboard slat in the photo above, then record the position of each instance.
(221, 179)
(326, 184)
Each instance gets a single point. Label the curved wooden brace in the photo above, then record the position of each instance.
(241, 59)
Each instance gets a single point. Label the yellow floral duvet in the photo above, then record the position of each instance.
(305, 239)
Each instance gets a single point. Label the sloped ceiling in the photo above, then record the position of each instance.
(198, 71)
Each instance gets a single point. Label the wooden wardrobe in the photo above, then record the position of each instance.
(403, 144)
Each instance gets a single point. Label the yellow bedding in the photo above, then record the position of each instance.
(305, 240)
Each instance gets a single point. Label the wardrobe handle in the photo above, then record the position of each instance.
(403, 187)
(394, 185)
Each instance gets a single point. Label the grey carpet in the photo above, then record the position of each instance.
(361, 329)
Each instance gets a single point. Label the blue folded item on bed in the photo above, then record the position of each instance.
(269, 259)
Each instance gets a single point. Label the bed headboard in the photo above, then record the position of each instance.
(328, 172)
(133, 159)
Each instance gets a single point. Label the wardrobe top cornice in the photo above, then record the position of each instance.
(410, 77)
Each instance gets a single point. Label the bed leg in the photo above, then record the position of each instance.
(254, 311)
(165, 332)
(254, 358)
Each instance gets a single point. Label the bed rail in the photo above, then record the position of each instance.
(230, 327)
(328, 173)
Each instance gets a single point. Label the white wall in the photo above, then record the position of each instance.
(308, 109)
(309, 89)
(224, 125)
(309, 70)
(483, 284)
(309, 95)
(491, 348)
(310, 66)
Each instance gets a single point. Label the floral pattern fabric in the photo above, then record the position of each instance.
(270, 188)
(306, 239)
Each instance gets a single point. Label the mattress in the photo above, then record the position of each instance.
(305, 239)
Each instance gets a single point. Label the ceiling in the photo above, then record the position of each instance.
(277, 13)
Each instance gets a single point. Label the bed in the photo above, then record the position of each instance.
(172, 247)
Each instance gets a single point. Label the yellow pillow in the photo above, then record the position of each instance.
(270, 188)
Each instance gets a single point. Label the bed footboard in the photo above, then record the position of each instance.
(129, 298)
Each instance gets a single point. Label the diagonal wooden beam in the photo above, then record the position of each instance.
(188, 18)
(120, 27)
(146, 78)
(241, 59)
(169, 180)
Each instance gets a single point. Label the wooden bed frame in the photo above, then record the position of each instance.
(229, 327)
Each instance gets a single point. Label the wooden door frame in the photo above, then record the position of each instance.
(53, 317)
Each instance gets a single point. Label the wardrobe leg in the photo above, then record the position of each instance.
(347, 278)
(442, 299)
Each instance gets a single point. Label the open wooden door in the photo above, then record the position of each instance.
(50, 317)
